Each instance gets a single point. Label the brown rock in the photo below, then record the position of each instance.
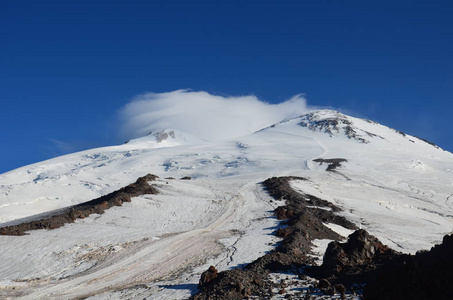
(207, 276)
(360, 249)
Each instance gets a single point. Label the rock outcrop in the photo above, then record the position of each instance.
(303, 216)
(207, 276)
(66, 215)
(362, 250)
(426, 275)
(332, 163)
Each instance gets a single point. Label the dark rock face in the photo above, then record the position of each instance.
(426, 275)
(235, 284)
(332, 163)
(389, 274)
(356, 262)
(97, 206)
(207, 276)
(361, 249)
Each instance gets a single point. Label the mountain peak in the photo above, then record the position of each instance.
(333, 123)
(166, 138)
(163, 135)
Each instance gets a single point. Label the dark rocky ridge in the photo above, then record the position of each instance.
(353, 263)
(361, 261)
(426, 275)
(304, 222)
(361, 249)
(66, 215)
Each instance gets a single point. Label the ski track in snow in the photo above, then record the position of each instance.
(308, 162)
(150, 263)
(157, 259)
(448, 201)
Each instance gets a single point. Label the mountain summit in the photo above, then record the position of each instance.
(336, 124)
(395, 186)
(166, 138)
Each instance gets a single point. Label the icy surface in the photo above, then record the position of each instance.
(395, 186)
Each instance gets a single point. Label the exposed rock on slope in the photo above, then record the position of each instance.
(332, 163)
(362, 260)
(362, 250)
(353, 263)
(334, 124)
(208, 276)
(163, 135)
(426, 275)
(63, 216)
(304, 216)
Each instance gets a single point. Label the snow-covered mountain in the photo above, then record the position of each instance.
(166, 138)
(396, 186)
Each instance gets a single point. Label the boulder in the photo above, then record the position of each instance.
(360, 249)
(207, 276)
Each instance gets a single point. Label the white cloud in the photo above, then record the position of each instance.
(202, 114)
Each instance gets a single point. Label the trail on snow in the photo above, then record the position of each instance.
(448, 201)
(155, 259)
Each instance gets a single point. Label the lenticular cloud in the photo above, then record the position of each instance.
(207, 116)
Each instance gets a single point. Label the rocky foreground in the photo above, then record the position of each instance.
(361, 267)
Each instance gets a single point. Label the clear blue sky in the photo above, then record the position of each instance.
(67, 67)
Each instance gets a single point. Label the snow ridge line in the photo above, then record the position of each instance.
(60, 217)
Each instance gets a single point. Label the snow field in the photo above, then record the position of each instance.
(153, 237)
(396, 187)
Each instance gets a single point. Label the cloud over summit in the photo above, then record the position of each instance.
(208, 116)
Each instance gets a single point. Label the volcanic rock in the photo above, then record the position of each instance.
(361, 250)
(426, 275)
(207, 276)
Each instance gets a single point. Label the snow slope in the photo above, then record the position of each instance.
(396, 186)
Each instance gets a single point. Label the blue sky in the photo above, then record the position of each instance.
(68, 67)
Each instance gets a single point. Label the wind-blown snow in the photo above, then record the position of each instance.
(395, 186)
(208, 116)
